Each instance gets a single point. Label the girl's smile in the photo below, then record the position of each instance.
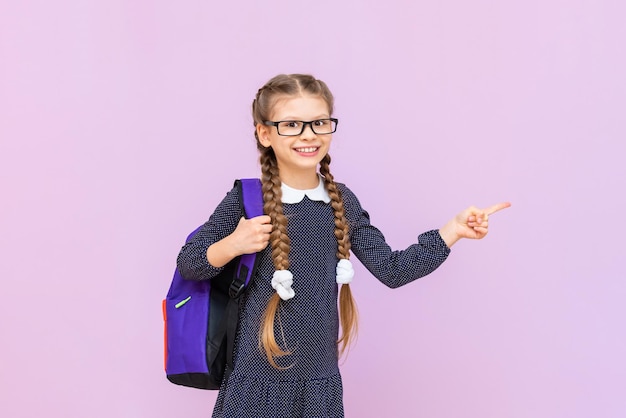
(308, 151)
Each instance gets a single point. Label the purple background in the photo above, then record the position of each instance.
(123, 123)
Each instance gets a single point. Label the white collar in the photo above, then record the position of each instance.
(291, 195)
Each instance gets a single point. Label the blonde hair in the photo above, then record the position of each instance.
(267, 96)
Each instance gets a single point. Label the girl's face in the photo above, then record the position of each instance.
(297, 156)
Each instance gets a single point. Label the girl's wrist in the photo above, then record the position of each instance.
(448, 234)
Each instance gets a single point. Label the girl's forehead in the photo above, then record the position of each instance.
(303, 107)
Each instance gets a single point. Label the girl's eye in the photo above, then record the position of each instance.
(320, 122)
(290, 124)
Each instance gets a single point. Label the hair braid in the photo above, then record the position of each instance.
(348, 313)
(280, 244)
(273, 206)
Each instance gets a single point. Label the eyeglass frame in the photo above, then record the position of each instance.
(304, 124)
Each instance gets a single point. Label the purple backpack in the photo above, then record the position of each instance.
(201, 316)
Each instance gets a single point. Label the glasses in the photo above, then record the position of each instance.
(296, 127)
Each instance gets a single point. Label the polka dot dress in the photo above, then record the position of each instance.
(308, 324)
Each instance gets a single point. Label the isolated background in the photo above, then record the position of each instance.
(123, 123)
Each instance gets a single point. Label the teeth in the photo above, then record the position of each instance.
(309, 149)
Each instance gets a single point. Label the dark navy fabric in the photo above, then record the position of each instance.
(308, 324)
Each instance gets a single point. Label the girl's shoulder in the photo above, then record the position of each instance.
(346, 191)
(230, 202)
(351, 202)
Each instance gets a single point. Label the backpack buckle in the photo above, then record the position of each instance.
(239, 282)
(236, 289)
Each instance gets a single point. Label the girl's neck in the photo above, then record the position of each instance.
(300, 181)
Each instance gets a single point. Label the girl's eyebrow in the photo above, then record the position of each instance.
(324, 116)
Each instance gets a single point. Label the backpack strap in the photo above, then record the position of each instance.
(251, 202)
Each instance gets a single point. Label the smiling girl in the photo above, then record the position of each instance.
(285, 362)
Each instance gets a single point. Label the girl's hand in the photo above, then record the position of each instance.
(250, 236)
(471, 223)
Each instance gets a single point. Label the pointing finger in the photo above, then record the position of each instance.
(495, 208)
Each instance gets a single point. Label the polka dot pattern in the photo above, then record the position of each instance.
(308, 324)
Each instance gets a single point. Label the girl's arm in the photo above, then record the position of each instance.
(397, 268)
(223, 237)
(392, 268)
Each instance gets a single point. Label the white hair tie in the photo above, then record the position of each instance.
(345, 272)
(281, 282)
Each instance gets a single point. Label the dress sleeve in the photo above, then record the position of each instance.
(392, 268)
(192, 262)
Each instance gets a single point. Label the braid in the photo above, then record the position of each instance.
(273, 206)
(341, 225)
(280, 244)
(347, 307)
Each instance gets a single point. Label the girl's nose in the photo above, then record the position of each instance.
(307, 133)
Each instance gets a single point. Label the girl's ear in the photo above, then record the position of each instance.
(263, 133)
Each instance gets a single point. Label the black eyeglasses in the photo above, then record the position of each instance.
(296, 127)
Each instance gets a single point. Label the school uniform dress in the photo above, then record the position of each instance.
(307, 324)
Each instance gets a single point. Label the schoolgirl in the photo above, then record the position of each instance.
(288, 341)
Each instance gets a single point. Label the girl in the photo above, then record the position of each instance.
(288, 344)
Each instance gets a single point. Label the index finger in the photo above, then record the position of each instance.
(262, 219)
(495, 208)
